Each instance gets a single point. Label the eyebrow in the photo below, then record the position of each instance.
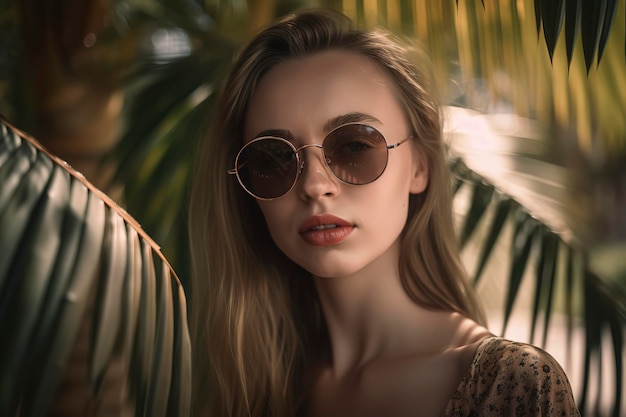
(331, 124)
(355, 117)
(281, 133)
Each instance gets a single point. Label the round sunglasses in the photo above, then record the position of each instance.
(268, 167)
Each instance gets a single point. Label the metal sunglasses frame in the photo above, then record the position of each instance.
(300, 161)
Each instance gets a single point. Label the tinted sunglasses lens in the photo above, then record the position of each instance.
(267, 167)
(357, 154)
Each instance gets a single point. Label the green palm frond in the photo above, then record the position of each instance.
(595, 27)
(494, 54)
(609, 317)
(501, 186)
(603, 306)
(77, 274)
(168, 113)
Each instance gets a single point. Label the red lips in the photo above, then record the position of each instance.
(325, 230)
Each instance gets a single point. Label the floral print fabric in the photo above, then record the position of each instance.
(512, 379)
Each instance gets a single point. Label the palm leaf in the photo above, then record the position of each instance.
(536, 229)
(609, 17)
(599, 16)
(604, 308)
(553, 16)
(481, 197)
(503, 209)
(166, 112)
(545, 277)
(600, 308)
(72, 258)
(593, 11)
(523, 239)
(573, 11)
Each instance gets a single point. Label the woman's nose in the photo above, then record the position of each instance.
(316, 179)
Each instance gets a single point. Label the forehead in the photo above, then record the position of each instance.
(311, 90)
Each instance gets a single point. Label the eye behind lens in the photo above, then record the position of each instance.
(357, 153)
(267, 167)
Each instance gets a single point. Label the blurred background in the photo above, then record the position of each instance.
(535, 120)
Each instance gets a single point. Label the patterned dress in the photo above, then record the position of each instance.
(512, 379)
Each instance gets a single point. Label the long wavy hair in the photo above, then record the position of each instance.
(256, 323)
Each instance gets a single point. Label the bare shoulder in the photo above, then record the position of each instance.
(467, 331)
(459, 337)
(417, 381)
(467, 337)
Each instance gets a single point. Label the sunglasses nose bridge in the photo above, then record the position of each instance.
(325, 161)
(303, 147)
(310, 145)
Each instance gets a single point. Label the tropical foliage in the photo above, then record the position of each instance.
(93, 318)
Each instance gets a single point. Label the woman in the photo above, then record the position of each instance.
(327, 279)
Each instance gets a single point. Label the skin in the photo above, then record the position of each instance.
(389, 355)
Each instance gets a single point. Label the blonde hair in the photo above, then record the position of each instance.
(255, 317)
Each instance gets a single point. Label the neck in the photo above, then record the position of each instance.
(369, 315)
